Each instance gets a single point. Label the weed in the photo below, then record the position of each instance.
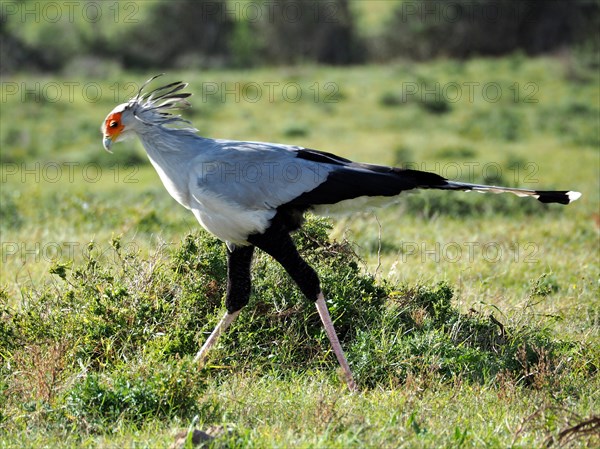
(391, 99)
(296, 130)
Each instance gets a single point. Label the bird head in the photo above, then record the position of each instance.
(143, 110)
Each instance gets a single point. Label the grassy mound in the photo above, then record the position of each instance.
(113, 338)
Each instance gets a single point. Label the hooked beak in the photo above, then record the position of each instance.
(107, 143)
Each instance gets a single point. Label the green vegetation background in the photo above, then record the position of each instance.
(97, 342)
(469, 320)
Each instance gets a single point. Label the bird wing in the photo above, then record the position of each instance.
(265, 176)
(255, 175)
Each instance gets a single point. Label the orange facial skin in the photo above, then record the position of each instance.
(113, 126)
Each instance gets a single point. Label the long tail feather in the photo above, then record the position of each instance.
(544, 196)
(349, 180)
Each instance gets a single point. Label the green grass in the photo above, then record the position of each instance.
(469, 320)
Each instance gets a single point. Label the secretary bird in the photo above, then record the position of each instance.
(254, 194)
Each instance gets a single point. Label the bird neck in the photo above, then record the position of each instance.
(170, 151)
(158, 138)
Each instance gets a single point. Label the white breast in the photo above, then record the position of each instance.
(179, 191)
(227, 221)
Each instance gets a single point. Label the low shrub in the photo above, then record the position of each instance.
(112, 338)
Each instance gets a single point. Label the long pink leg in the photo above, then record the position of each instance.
(212, 339)
(335, 342)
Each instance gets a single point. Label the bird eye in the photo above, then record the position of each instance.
(113, 124)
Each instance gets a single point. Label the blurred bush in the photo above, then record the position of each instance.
(176, 31)
(423, 29)
(222, 33)
(309, 30)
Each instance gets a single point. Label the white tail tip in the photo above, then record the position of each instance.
(573, 196)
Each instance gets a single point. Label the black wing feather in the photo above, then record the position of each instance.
(348, 180)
